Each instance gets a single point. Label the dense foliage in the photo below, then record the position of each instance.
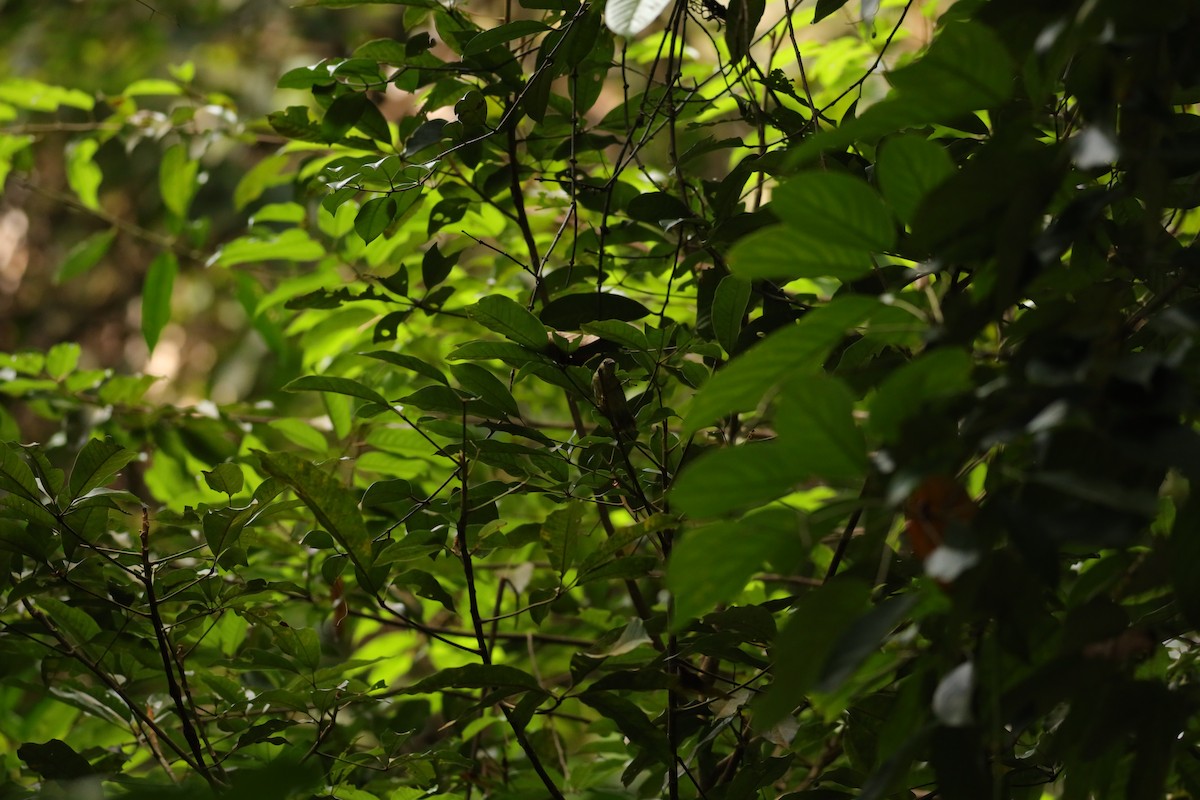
(652, 400)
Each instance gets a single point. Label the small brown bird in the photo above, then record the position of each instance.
(610, 397)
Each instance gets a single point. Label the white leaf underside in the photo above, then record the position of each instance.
(630, 17)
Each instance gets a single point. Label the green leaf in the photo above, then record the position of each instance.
(486, 386)
(560, 535)
(342, 115)
(83, 173)
(435, 267)
(10, 146)
(818, 621)
(730, 478)
(835, 209)
(55, 760)
(85, 255)
(37, 96)
(800, 348)
(225, 478)
(710, 566)
(965, 69)
(152, 86)
(15, 475)
(61, 359)
(629, 17)
(79, 627)
(156, 296)
(862, 639)
(508, 679)
(262, 176)
(411, 363)
(729, 309)
(815, 419)
(482, 42)
(96, 464)
(827, 7)
(912, 389)
(223, 527)
(908, 167)
(632, 722)
(572, 311)
(374, 217)
(292, 244)
(509, 319)
(346, 386)
(422, 584)
(330, 502)
(177, 180)
(741, 23)
(781, 252)
(300, 433)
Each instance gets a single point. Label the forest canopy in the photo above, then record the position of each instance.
(406, 399)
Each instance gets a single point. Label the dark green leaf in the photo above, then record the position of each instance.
(827, 7)
(560, 536)
(711, 565)
(818, 621)
(908, 167)
(96, 464)
(786, 253)
(344, 386)
(435, 267)
(226, 478)
(411, 363)
(330, 502)
(915, 387)
(511, 320)
(571, 312)
(486, 386)
(632, 722)
(729, 310)
(835, 209)
(476, 676)
(815, 419)
(374, 217)
(741, 24)
(516, 29)
(54, 760)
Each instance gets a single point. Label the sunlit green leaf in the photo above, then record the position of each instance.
(156, 296)
(177, 179)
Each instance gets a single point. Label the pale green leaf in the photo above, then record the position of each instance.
(290, 245)
(37, 96)
(156, 296)
(83, 174)
(177, 179)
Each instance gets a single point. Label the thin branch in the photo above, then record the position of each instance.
(164, 652)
